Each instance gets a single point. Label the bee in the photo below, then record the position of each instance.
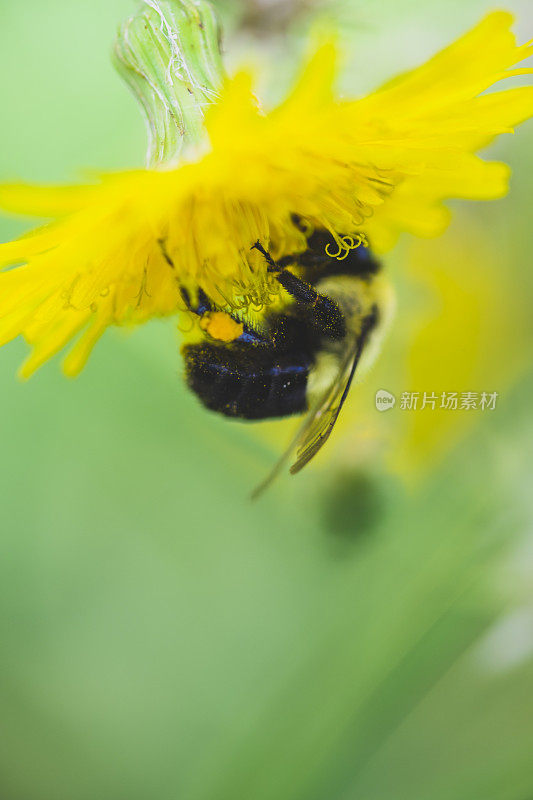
(304, 358)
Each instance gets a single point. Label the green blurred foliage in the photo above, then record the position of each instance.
(164, 638)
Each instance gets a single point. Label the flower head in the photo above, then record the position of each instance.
(121, 250)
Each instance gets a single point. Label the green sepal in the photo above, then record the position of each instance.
(169, 55)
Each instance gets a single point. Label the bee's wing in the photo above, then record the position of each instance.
(316, 428)
(323, 416)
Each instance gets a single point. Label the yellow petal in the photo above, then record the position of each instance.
(42, 201)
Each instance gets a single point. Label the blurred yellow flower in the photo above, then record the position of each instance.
(117, 252)
(461, 326)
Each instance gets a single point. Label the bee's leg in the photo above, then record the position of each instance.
(325, 313)
(204, 304)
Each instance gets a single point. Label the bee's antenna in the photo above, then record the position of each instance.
(270, 261)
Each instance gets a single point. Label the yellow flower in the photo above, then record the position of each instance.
(117, 252)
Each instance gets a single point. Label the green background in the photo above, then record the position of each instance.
(162, 637)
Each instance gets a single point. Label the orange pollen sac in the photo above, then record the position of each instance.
(221, 326)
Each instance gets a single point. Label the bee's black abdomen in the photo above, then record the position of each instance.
(248, 382)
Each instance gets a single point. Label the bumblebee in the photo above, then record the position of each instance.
(304, 358)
